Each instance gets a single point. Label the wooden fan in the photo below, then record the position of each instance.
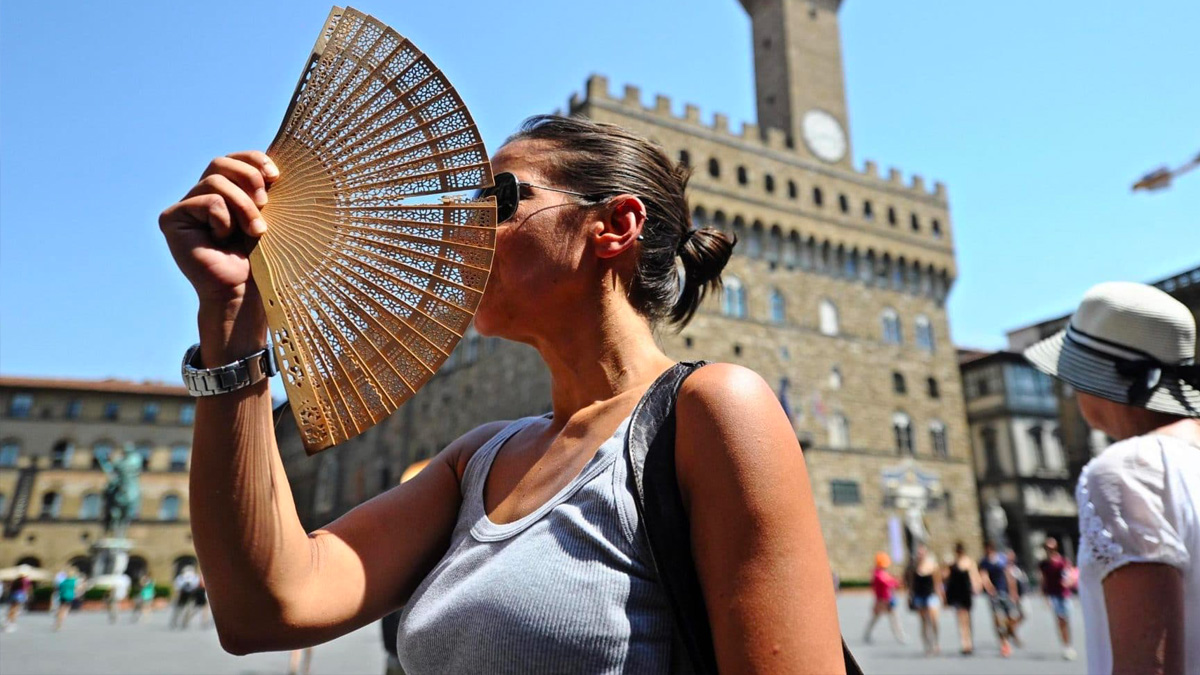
(366, 293)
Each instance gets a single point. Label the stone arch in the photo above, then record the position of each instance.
(825, 258)
(81, 562)
(808, 253)
(773, 250)
(720, 222)
(699, 217)
(31, 560)
(883, 275)
(182, 561)
(871, 265)
(754, 248)
(791, 249)
(898, 273)
(840, 264)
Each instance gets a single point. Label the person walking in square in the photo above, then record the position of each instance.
(883, 586)
(68, 590)
(962, 583)
(925, 596)
(1129, 352)
(1058, 593)
(1001, 588)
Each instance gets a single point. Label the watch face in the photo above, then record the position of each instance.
(824, 136)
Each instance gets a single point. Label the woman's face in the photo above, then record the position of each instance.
(542, 254)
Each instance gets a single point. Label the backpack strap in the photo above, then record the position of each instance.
(650, 452)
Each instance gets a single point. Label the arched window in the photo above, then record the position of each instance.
(150, 412)
(21, 406)
(179, 457)
(778, 306)
(739, 233)
(774, 248)
(734, 298)
(742, 176)
(868, 211)
(931, 386)
(326, 485)
(3, 505)
(714, 168)
(168, 509)
(891, 327)
(51, 503)
(808, 253)
(791, 250)
(89, 508)
(924, 333)
(936, 226)
(769, 183)
(937, 437)
(914, 278)
(839, 431)
(915, 222)
(829, 318)
(852, 265)
(898, 274)
(10, 450)
(844, 203)
(902, 430)
(883, 271)
(818, 197)
(754, 245)
(825, 259)
(719, 221)
(898, 384)
(187, 413)
(793, 191)
(684, 158)
(891, 215)
(699, 218)
(866, 270)
(941, 286)
(835, 378)
(838, 268)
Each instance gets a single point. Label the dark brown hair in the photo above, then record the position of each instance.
(606, 160)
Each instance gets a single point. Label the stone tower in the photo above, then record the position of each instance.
(798, 74)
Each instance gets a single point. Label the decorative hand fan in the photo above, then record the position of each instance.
(367, 294)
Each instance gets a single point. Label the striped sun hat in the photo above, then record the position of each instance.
(1129, 343)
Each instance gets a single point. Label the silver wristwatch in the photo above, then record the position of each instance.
(230, 377)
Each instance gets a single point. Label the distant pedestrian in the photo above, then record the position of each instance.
(962, 583)
(185, 585)
(1001, 588)
(300, 661)
(1020, 588)
(200, 599)
(925, 596)
(1058, 593)
(144, 600)
(18, 594)
(68, 590)
(1129, 352)
(883, 586)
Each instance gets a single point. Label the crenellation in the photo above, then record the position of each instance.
(633, 96)
(750, 133)
(777, 139)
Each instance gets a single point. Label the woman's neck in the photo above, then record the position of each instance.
(597, 356)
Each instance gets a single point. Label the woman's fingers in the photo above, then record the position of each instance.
(240, 205)
(260, 161)
(246, 176)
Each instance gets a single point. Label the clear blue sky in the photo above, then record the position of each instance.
(1037, 115)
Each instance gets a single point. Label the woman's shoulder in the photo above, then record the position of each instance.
(460, 451)
(724, 385)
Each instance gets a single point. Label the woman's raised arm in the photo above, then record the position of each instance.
(271, 584)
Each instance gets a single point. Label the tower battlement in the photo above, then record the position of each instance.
(596, 91)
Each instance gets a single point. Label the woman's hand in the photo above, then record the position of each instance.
(210, 233)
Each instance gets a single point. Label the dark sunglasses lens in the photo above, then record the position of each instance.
(508, 194)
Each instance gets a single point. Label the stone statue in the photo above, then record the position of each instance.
(122, 495)
(995, 521)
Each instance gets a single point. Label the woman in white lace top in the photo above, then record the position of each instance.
(1129, 352)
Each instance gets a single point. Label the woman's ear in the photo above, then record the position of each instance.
(619, 228)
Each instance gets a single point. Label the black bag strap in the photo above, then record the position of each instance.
(650, 452)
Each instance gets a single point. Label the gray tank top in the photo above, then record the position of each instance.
(567, 589)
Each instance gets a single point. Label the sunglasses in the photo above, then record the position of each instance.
(507, 191)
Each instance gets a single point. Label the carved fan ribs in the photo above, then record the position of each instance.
(367, 294)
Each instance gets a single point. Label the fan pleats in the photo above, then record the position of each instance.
(367, 293)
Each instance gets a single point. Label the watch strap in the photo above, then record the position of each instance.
(230, 377)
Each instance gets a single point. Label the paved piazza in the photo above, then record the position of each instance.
(89, 644)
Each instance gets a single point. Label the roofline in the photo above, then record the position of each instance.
(108, 385)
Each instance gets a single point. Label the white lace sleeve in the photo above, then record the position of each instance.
(1122, 515)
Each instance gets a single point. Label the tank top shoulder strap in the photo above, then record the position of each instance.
(477, 466)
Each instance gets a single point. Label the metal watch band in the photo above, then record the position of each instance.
(227, 378)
